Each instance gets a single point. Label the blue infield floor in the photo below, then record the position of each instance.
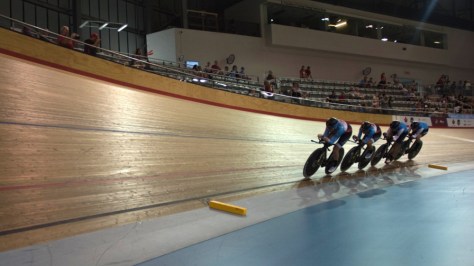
(426, 222)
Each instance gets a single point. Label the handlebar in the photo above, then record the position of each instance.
(321, 142)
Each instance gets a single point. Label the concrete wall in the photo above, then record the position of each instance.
(292, 47)
(164, 44)
(331, 56)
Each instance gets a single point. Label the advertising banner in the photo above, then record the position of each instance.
(439, 122)
(456, 122)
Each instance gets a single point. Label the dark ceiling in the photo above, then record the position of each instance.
(452, 13)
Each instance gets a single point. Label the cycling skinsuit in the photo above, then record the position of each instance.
(341, 132)
(373, 133)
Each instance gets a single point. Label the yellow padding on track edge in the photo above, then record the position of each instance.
(227, 207)
(438, 167)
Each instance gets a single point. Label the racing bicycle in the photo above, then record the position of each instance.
(319, 158)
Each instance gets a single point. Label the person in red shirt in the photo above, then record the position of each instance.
(216, 69)
(63, 38)
(302, 73)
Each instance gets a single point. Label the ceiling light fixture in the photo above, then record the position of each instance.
(340, 24)
(123, 27)
(103, 25)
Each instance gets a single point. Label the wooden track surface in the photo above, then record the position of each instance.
(79, 155)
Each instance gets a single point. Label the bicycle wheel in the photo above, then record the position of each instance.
(313, 163)
(379, 153)
(349, 159)
(415, 149)
(402, 150)
(363, 161)
(332, 165)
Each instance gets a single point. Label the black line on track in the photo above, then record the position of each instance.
(89, 217)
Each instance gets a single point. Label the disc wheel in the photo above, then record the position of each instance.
(349, 159)
(402, 150)
(313, 163)
(379, 154)
(363, 162)
(415, 149)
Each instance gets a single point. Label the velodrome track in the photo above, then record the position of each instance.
(79, 154)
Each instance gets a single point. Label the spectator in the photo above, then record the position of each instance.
(295, 90)
(452, 88)
(27, 31)
(396, 82)
(199, 72)
(308, 73)
(271, 78)
(460, 87)
(332, 97)
(383, 102)
(92, 44)
(383, 81)
(138, 56)
(457, 108)
(64, 38)
(216, 69)
(363, 82)
(440, 84)
(242, 74)
(342, 98)
(267, 86)
(355, 93)
(370, 83)
(302, 72)
(234, 72)
(467, 85)
(389, 102)
(226, 71)
(376, 101)
(208, 68)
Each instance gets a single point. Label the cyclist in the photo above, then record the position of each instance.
(397, 132)
(417, 131)
(337, 131)
(372, 133)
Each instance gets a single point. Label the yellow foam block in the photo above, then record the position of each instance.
(227, 207)
(438, 167)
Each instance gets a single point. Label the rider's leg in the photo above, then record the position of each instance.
(418, 137)
(397, 145)
(395, 149)
(335, 152)
(369, 144)
(369, 149)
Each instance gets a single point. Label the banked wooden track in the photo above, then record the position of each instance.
(79, 154)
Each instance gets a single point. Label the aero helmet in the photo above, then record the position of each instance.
(331, 122)
(415, 125)
(394, 125)
(366, 125)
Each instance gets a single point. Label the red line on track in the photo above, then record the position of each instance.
(142, 88)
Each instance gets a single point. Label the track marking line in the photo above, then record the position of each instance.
(457, 138)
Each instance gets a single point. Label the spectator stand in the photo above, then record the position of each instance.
(314, 92)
